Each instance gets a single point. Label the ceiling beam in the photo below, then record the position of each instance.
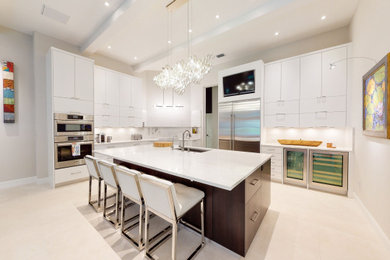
(88, 45)
(266, 8)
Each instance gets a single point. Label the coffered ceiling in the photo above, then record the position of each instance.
(136, 31)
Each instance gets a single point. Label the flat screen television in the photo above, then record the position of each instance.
(239, 84)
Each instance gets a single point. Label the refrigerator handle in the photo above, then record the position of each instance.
(233, 130)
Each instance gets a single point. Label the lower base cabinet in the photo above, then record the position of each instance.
(70, 175)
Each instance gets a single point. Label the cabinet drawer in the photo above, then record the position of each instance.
(72, 106)
(271, 150)
(286, 107)
(106, 110)
(329, 104)
(71, 174)
(282, 120)
(323, 119)
(252, 184)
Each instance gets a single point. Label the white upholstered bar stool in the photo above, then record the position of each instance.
(107, 171)
(93, 169)
(170, 202)
(129, 182)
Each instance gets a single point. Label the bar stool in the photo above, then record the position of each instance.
(107, 171)
(170, 202)
(93, 169)
(129, 182)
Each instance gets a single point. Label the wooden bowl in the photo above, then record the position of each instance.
(300, 142)
(162, 144)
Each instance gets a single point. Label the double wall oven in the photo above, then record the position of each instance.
(73, 139)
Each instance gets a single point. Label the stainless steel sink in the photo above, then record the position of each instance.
(192, 149)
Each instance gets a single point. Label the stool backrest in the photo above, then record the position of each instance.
(92, 166)
(159, 196)
(107, 170)
(128, 180)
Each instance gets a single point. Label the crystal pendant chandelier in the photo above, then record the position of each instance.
(184, 73)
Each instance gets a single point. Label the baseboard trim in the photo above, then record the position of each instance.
(373, 221)
(23, 181)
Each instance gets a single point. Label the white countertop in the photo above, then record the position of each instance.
(218, 168)
(321, 147)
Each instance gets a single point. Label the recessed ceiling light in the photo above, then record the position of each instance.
(106, 3)
(323, 17)
(136, 58)
(217, 16)
(169, 41)
(109, 47)
(190, 30)
(276, 33)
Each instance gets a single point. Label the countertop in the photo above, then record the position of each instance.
(218, 168)
(321, 147)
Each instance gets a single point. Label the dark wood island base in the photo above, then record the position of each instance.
(232, 218)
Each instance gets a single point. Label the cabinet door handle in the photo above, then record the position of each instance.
(255, 216)
(74, 173)
(254, 181)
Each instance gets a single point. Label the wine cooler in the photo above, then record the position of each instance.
(295, 166)
(329, 171)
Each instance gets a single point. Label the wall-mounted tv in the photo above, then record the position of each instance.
(239, 84)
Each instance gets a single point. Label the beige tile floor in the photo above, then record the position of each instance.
(39, 223)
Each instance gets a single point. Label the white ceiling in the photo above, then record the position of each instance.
(139, 28)
(85, 17)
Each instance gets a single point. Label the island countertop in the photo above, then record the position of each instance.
(218, 168)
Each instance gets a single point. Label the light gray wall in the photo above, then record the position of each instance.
(17, 140)
(371, 164)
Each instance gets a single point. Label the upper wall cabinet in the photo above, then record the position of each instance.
(273, 82)
(290, 80)
(119, 99)
(71, 82)
(63, 74)
(306, 90)
(334, 81)
(311, 76)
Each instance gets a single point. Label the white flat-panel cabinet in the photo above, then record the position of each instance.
(273, 81)
(112, 88)
(305, 92)
(125, 89)
(311, 76)
(72, 82)
(100, 85)
(84, 79)
(334, 81)
(119, 99)
(290, 80)
(63, 65)
(138, 93)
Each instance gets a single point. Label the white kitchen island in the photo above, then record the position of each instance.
(236, 184)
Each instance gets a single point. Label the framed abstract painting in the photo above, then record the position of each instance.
(7, 69)
(376, 107)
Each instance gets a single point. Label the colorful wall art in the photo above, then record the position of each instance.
(8, 91)
(375, 101)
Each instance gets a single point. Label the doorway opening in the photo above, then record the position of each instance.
(211, 117)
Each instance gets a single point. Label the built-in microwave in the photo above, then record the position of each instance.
(75, 125)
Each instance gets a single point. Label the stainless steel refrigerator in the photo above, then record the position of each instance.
(239, 126)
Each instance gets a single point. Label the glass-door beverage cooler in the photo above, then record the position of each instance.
(295, 166)
(329, 171)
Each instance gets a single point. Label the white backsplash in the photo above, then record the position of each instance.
(124, 134)
(339, 137)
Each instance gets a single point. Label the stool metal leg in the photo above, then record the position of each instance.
(105, 201)
(174, 240)
(90, 190)
(99, 192)
(146, 231)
